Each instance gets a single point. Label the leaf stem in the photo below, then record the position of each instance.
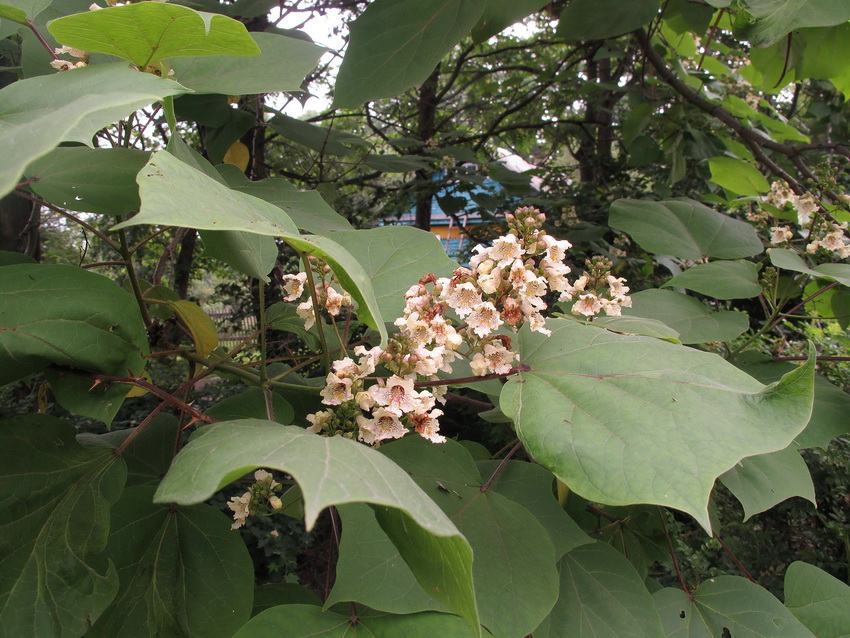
(676, 566)
(41, 39)
(500, 468)
(264, 379)
(735, 560)
(68, 215)
(495, 375)
(326, 357)
(162, 394)
(134, 280)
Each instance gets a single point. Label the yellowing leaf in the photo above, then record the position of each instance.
(238, 155)
(201, 326)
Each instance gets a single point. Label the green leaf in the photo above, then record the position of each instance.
(252, 255)
(308, 620)
(532, 486)
(624, 420)
(775, 18)
(601, 596)
(684, 228)
(149, 453)
(370, 570)
(91, 180)
(599, 19)
(514, 568)
(789, 260)
(39, 113)
(397, 163)
(306, 208)
(22, 10)
(760, 482)
(694, 322)
(720, 279)
(633, 325)
(382, 62)
(726, 606)
(10, 259)
(281, 66)
(318, 138)
(395, 258)
(174, 193)
(500, 14)
(831, 405)
(147, 32)
(183, 571)
(329, 471)
(274, 594)
(818, 600)
(742, 178)
(79, 395)
(251, 404)
(70, 317)
(54, 524)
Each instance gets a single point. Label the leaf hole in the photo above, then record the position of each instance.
(682, 614)
(725, 633)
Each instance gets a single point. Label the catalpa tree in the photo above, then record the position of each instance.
(630, 395)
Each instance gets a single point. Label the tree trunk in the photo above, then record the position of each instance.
(427, 119)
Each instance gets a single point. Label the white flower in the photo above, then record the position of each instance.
(463, 298)
(318, 421)
(337, 390)
(335, 301)
(505, 250)
(833, 241)
(398, 395)
(383, 425)
(427, 425)
(478, 365)
(305, 311)
(239, 505)
(618, 287)
(294, 286)
(499, 358)
(485, 319)
(780, 234)
(588, 305)
(806, 206)
(261, 476)
(556, 250)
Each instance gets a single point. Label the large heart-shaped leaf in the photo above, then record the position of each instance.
(39, 113)
(330, 471)
(684, 228)
(69, 317)
(54, 525)
(601, 596)
(176, 194)
(147, 32)
(514, 568)
(760, 482)
(623, 419)
(737, 176)
(281, 66)
(818, 600)
(726, 606)
(182, 572)
(382, 61)
(500, 14)
(689, 317)
(318, 138)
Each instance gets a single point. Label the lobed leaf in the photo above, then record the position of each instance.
(624, 420)
(147, 32)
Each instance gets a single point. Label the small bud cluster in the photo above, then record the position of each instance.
(260, 499)
(327, 295)
(505, 285)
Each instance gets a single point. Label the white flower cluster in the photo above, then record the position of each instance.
(252, 502)
(328, 296)
(66, 65)
(505, 285)
(821, 236)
